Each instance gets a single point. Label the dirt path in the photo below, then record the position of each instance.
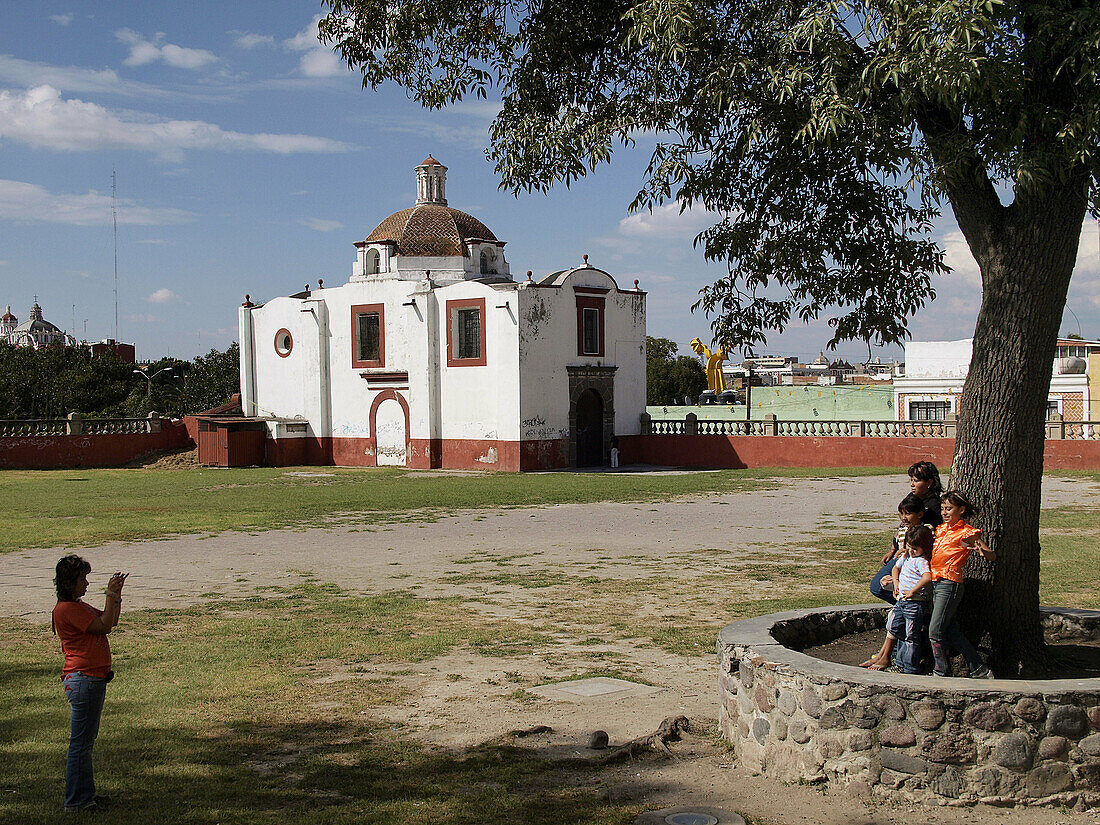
(502, 561)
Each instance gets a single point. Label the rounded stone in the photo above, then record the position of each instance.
(744, 673)
(1014, 751)
(786, 703)
(1052, 747)
(1094, 717)
(1090, 744)
(951, 746)
(799, 731)
(833, 718)
(597, 740)
(762, 697)
(742, 728)
(760, 729)
(779, 727)
(833, 691)
(988, 716)
(1047, 779)
(859, 740)
(890, 707)
(1030, 710)
(811, 702)
(928, 714)
(898, 736)
(1066, 720)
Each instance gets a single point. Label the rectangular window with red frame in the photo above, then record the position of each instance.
(590, 326)
(368, 336)
(466, 333)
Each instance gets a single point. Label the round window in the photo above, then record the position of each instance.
(284, 343)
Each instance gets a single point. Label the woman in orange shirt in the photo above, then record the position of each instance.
(955, 540)
(83, 632)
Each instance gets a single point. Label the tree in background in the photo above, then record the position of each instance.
(211, 379)
(824, 134)
(671, 378)
(53, 381)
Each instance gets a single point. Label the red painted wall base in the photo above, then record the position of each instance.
(55, 452)
(743, 451)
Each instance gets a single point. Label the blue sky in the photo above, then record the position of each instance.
(249, 160)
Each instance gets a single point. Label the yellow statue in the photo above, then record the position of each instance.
(715, 380)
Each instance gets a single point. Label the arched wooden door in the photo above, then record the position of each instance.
(589, 433)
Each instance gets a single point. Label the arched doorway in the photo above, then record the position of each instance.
(390, 435)
(589, 429)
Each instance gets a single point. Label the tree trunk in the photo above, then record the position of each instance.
(1026, 253)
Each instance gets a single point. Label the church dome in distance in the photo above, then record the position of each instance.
(430, 228)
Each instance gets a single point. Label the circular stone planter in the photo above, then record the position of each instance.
(797, 718)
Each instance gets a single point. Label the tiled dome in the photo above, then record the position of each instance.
(430, 230)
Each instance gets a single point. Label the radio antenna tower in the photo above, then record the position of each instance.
(114, 221)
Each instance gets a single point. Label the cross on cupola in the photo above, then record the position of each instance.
(431, 179)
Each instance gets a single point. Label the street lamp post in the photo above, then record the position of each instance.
(149, 378)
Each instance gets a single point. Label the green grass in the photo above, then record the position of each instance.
(81, 508)
(214, 719)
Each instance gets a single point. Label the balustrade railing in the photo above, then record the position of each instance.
(76, 424)
(770, 425)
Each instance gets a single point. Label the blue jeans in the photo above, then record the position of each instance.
(877, 590)
(943, 631)
(909, 625)
(86, 695)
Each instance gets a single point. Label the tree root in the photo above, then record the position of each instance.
(669, 731)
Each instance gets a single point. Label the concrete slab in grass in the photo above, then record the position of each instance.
(600, 687)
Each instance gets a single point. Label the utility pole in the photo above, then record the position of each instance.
(114, 221)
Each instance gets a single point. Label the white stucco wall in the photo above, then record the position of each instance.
(548, 343)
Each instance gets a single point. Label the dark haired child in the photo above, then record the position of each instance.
(955, 540)
(911, 510)
(924, 482)
(909, 619)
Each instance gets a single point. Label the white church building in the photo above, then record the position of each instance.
(431, 355)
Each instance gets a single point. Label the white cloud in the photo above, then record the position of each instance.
(667, 222)
(318, 60)
(253, 41)
(29, 202)
(321, 225)
(40, 117)
(143, 51)
(62, 19)
(26, 73)
(163, 296)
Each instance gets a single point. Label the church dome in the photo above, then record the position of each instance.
(431, 228)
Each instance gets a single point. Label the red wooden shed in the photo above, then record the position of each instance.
(232, 441)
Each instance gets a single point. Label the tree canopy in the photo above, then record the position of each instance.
(825, 135)
(670, 378)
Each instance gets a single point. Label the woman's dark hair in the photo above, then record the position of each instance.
(959, 500)
(920, 536)
(927, 471)
(912, 503)
(69, 569)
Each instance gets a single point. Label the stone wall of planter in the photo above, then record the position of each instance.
(954, 741)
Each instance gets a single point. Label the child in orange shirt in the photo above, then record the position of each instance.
(955, 540)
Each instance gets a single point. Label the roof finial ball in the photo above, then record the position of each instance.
(529, 276)
(320, 284)
(247, 300)
(586, 260)
(636, 284)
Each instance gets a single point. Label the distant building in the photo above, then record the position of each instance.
(36, 332)
(431, 355)
(935, 372)
(126, 353)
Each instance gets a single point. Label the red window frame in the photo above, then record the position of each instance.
(452, 307)
(365, 309)
(590, 302)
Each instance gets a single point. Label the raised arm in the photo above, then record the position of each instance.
(105, 623)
